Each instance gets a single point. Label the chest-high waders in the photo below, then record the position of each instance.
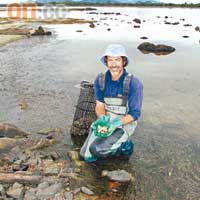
(118, 143)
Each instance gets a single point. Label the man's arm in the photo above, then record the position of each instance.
(100, 108)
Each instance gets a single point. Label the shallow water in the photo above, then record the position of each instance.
(45, 71)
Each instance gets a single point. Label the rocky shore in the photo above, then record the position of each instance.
(31, 168)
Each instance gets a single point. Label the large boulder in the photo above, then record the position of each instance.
(160, 49)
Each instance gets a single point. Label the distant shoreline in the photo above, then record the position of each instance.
(158, 5)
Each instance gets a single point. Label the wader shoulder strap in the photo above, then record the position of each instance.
(102, 81)
(126, 85)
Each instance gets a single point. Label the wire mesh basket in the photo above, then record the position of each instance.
(85, 110)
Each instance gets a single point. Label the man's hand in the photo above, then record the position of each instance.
(114, 124)
(101, 121)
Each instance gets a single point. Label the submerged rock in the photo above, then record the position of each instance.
(160, 49)
(7, 143)
(118, 175)
(11, 131)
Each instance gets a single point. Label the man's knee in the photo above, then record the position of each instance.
(103, 147)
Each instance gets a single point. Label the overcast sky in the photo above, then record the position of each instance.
(166, 1)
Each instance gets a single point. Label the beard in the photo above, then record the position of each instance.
(115, 71)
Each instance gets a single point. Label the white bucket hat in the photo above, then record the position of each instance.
(114, 50)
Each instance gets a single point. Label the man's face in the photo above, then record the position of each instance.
(115, 65)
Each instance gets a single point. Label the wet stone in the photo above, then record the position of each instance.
(197, 28)
(43, 185)
(136, 20)
(11, 131)
(160, 49)
(16, 191)
(19, 166)
(19, 153)
(73, 155)
(6, 143)
(118, 175)
(68, 196)
(2, 191)
(86, 190)
(54, 155)
(50, 191)
(144, 38)
(30, 194)
(50, 168)
(91, 25)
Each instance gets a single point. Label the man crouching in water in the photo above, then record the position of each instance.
(118, 107)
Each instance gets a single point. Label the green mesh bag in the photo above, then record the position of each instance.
(101, 127)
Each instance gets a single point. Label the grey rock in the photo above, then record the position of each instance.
(16, 191)
(7, 143)
(86, 190)
(30, 194)
(11, 131)
(19, 153)
(43, 185)
(51, 171)
(68, 196)
(160, 48)
(58, 196)
(19, 166)
(50, 191)
(54, 155)
(118, 175)
(10, 157)
(2, 191)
